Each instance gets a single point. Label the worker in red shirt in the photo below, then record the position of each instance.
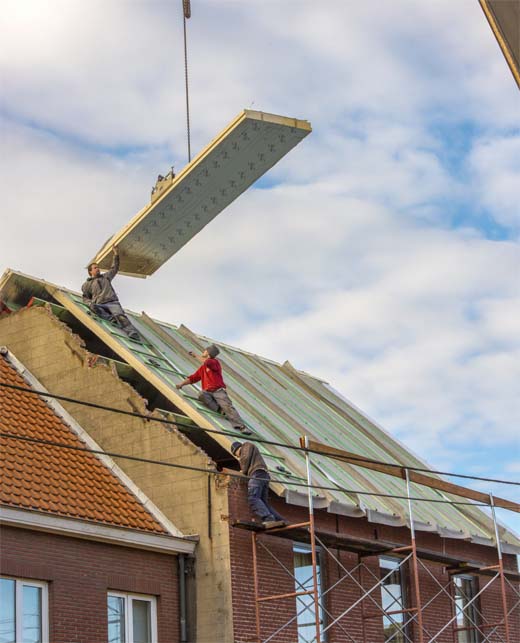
(214, 394)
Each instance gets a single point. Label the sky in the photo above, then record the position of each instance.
(382, 254)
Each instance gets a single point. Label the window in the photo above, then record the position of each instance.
(23, 611)
(393, 599)
(131, 618)
(464, 590)
(303, 573)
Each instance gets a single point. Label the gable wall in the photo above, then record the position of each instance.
(57, 358)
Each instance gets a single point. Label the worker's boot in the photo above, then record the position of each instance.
(273, 524)
(127, 327)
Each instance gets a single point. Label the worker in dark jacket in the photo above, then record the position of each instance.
(214, 394)
(253, 465)
(101, 298)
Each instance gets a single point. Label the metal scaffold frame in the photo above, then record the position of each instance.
(408, 622)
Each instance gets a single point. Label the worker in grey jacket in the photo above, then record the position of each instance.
(101, 298)
(253, 465)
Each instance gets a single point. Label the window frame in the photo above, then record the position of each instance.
(306, 548)
(403, 578)
(129, 598)
(20, 583)
(476, 613)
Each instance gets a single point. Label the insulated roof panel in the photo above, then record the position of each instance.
(231, 163)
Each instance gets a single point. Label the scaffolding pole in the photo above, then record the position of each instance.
(313, 543)
(500, 568)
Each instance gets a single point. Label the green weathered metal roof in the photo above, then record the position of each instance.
(281, 403)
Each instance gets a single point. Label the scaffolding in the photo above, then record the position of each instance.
(465, 623)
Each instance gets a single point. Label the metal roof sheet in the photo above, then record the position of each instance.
(281, 404)
(249, 146)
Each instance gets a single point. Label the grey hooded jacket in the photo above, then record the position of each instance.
(98, 290)
(251, 460)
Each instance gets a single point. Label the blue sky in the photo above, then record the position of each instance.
(381, 254)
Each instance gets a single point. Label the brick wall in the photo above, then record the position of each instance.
(79, 574)
(352, 627)
(57, 358)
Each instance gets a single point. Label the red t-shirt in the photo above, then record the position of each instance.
(211, 375)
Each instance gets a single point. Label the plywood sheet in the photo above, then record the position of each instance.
(231, 163)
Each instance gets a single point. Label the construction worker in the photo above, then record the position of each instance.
(101, 298)
(214, 394)
(254, 467)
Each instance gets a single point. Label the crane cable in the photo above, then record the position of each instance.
(186, 14)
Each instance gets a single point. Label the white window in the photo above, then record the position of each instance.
(305, 607)
(131, 618)
(468, 616)
(24, 611)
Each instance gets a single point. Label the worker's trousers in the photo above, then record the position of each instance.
(258, 496)
(219, 401)
(113, 311)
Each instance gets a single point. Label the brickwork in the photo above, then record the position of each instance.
(57, 358)
(274, 581)
(79, 574)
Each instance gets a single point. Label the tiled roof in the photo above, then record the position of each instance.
(45, 478)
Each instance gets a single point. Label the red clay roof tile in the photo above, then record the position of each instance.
(46, 478)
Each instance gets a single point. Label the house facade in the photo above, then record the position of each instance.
(367, 579)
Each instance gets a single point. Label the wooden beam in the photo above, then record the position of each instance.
(415, 476)
(504, 20)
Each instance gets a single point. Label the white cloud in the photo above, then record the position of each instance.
(495, 165)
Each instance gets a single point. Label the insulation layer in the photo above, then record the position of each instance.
(231, 163)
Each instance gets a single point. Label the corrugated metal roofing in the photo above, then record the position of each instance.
(281, 404)
(249, 146)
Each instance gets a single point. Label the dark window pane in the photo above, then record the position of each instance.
(142, 621)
